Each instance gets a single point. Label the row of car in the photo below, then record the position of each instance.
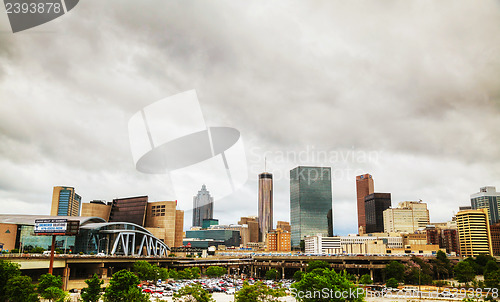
(213, 285)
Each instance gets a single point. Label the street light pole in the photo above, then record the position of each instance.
(419, 290)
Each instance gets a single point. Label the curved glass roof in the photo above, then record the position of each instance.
(116, 227)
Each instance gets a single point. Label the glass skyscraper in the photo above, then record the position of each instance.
(65, 202)
(203, 206)
(310, 202)
(487, 198)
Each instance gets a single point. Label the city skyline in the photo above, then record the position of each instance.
(407, 93)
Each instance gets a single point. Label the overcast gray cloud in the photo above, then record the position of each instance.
(406, 91)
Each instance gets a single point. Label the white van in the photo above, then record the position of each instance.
(46, 253)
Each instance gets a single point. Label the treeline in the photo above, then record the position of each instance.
(147, 271)
(17, 288)
(425, 270)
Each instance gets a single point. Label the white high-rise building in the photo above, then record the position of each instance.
(408, 217)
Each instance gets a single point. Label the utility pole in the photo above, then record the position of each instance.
(52, 248)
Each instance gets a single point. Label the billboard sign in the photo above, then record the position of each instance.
(56, 227)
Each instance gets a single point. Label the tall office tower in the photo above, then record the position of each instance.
(203, 206)
(65, 202)
(474, 232)
(253, 227)
(364, 187)
(487, 198)
(310, 201)
(375, 205)
(265, 204)
(129, 209)
(329, 217)
(407, 217)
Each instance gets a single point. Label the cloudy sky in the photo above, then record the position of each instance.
(408, 91)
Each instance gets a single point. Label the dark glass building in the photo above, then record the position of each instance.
(310, 202)
(226, 237)
(375, 205)
(130, 209)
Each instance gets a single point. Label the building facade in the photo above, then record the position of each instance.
(487, 198)
(364, 187)
(495, 238)
(408, 217)
(375, 205)
(96, 208)
(265, 204)
(474, 232)
(352, 244)
(445, 237)
(310, 202)
(129, 209)
(278, 241)
(228, 238)
(203, 206)
(253, 228)
(284, 225)
(65, 202)
(165, 222)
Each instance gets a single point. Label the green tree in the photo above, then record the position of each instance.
(418, 271)
(8, 270)
(54, 294)
(145, 271)
(134, 294)
(392, 283)
(49, 287)
(215, 271)
(195, 273)
(328, 281)
(365, 279)
(122, 284)
(298, 275)
(492, 280)
(92, 292)
(20, 289)
(442, 266)
(395, 270)
(272, 274)
(490, 267)
(476, 267)
(37, 250)
(258, 292)
(317, 264)
(464, 272)
(193, 293)
(481, 260)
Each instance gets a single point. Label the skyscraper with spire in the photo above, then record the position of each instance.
(203, 206)
(265, 204)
